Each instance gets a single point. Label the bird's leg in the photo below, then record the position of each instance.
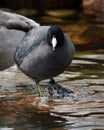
(39, 90)
(60, 90)
(50, 89)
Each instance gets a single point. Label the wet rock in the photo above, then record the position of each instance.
(94, 8)
(12, 79)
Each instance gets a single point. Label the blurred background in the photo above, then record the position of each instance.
(83, 20)
(20, 108)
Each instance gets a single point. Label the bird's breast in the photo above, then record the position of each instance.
(44, 63)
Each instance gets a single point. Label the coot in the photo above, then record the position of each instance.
(45, 52)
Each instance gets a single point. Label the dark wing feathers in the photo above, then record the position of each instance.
(31, 40)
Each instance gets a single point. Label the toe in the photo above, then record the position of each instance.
(50, 90)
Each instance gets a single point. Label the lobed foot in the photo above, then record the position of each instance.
(64, 92)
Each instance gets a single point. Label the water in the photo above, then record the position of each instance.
(22, 109)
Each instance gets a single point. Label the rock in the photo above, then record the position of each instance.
(94, 8)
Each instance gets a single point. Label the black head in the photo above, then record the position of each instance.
(55, 32)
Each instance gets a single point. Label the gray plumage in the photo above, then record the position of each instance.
(12, 30)
(9, 39)
(36, 58)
